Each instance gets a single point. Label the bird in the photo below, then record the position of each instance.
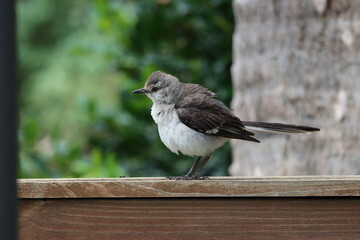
(191, 120)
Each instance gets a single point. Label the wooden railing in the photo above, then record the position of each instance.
(321, 207)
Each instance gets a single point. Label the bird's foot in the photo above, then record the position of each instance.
(186, 177)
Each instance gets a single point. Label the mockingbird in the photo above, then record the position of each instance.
(191, 121)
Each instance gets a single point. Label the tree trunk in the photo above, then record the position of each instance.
(298, 62)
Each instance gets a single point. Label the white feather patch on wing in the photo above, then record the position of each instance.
(212, 131)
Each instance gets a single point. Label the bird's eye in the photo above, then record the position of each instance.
(154, 89)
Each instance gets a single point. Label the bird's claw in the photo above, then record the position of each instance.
(188, 178)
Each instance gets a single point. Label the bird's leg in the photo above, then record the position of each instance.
(190, 172)
(190, 175)
(196, 174)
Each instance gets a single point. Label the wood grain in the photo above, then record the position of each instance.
(190, 218)
(308, 186)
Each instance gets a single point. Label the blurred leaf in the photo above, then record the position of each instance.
(80, 61)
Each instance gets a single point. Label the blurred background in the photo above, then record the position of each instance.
(278, 61)
(298, 62)
(79, 62)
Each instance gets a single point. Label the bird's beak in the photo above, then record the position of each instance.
(141, 90)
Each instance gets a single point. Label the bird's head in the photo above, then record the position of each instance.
(160, 87)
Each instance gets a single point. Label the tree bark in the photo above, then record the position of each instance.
(298, 62)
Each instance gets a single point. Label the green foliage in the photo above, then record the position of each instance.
(79, 62)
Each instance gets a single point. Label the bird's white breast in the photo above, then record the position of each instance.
(178, 137)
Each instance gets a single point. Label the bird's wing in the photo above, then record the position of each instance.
(210, 116)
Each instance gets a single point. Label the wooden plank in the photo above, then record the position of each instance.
(310, 186)
(190, 218)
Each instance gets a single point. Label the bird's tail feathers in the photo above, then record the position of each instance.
(278, 127)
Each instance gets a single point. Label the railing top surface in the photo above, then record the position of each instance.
(294, 186)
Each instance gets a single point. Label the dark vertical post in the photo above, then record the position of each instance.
(8, 122)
